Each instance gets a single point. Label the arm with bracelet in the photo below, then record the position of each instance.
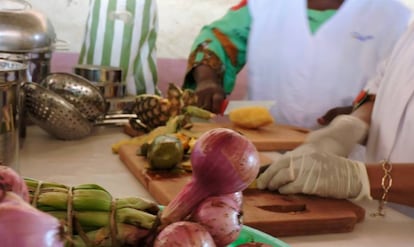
(391, 182)
(316, 169)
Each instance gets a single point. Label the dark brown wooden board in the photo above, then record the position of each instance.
(272, 213)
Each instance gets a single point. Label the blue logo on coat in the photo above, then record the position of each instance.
(361, 37)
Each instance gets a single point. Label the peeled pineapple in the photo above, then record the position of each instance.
(251, 117)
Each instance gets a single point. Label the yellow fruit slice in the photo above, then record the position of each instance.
(251, 117)
(253, 185)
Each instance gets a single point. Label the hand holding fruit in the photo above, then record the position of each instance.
(210, 95)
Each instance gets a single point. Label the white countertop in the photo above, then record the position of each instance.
(91, 160)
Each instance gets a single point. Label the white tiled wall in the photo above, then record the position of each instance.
(180, 21)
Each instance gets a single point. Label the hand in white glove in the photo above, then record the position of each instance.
(339, 137)
(321, 174)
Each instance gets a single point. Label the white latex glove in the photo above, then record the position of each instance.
(321, 174)
(339, 137)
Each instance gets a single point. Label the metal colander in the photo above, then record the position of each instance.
(54, 114)
(60, 118)
(79, 91)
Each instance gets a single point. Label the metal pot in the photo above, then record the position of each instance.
(107, 78)
(30, 33)
(25, 31)
(99, 73)
(12, 75)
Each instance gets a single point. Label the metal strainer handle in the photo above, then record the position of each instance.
(115, 119)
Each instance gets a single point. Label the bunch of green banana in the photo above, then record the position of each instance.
(92, 217)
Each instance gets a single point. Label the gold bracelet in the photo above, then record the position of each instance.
(386, 184)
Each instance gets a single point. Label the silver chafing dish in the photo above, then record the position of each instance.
(27, 32)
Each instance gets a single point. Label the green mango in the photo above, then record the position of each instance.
(165, 152)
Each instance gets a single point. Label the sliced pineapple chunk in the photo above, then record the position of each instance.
(251, 117)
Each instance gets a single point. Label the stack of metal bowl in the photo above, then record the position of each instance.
(109, 80)
(12, 75)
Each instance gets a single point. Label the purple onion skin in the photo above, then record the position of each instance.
(221, 216)
(22, 225)
(11, 181)
(184, 234)
(234, 200)
(223, 162)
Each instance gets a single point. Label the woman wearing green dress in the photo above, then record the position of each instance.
(308, 56)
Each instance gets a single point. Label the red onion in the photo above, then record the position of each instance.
(184, 234)
(11, 181)
(22, 225)
(234, 199)
(223, 162)
(221, 216)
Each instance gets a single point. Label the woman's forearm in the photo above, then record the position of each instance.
(402, 188)
(205, 73)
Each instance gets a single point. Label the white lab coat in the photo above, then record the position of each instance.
(309, 74)
(391, 133)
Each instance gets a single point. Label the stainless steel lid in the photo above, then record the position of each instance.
(25, 31)
(99, 73)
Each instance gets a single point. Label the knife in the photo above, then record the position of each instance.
(262, 169)
(271, 158)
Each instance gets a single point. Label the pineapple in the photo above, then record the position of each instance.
(251, 117)
(154, 111)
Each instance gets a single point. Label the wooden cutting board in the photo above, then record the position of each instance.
(269, 138)
(272, 213)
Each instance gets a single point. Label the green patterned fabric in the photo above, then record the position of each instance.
(236, 25)
(123, 33)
